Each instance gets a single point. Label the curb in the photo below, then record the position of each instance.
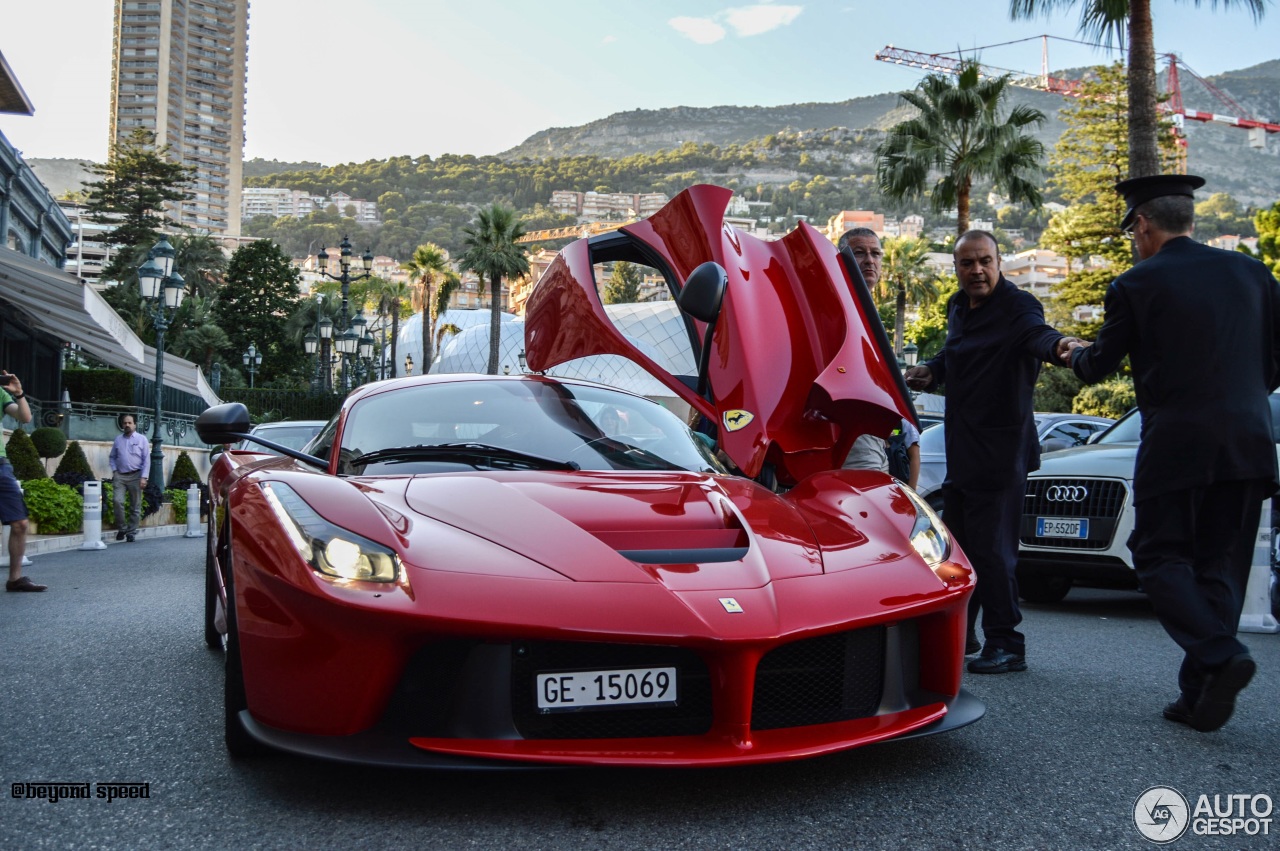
(39, 544)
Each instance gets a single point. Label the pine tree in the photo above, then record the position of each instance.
(623, 286)
(255, 301)
(138, 179)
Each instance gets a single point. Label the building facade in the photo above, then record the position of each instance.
(178, 70)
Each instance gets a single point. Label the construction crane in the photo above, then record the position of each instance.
(572, 231)
(948, 64)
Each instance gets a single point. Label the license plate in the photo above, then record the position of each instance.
(589, 689)
(1062, 527)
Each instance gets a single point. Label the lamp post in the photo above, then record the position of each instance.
(317, 343)
(346, 345)
(162, 292)
(910, 354)
(252, 359)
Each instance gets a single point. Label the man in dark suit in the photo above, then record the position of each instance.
(996, 339)
(1202, 330)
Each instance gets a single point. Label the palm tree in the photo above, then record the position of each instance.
(961, 134)
(906, 275)
(1109, 21)
(200, 261)
(392, 296)
(492, 250)
(429, 261)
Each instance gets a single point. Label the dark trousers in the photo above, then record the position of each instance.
(1193, 550)
(985, 524)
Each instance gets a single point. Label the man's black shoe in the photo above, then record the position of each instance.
(1179, 711)
(120, 535)
(972, 645)
(996, 661)
(1218, 698)
(129, 538)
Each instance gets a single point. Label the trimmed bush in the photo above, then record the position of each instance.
(49, 442)
(184, 473)
(102, 386)
(24, 458)
(73, 469)
(178, 498)
(56, 509)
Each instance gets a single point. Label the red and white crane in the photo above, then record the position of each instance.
(1236, 117)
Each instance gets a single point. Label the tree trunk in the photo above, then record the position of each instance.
(1144, 154)
(962, 208)
(426, 326)
(495, 322)
(395, 335)
(900, 320)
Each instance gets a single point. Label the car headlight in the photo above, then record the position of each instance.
(928, 536)
(329, 549)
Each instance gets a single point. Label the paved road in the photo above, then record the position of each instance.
(106, 679)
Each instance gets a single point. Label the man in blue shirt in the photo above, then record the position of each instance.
(131, 465)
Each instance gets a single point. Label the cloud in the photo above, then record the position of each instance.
(699, 30)
(743, 20)
(761, 18)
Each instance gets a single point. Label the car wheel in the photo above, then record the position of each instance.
(1038, 588)
(239, 742)
(212, 637)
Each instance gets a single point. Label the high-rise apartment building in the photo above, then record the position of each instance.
(178, 69)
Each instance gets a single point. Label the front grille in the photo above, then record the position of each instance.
(835, 677)
(1101, 504)
(691, 716)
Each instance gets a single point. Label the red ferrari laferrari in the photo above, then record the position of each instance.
(468, 571)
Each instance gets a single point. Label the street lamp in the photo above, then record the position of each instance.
(252, 358)
(317, 343)
(345, 346)
(162, 293)
(910, 354)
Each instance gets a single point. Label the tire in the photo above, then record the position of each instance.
(212, 638)
(238, 741)
(1039, 588)
(1275, 559)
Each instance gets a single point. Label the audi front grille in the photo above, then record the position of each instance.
(1100, 501)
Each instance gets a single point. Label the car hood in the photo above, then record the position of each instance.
(1113, 460)
(800, 364)
(690, 532)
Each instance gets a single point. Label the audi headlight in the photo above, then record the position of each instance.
(928, 536)
(329, 549)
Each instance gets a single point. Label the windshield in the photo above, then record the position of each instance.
(516, 425)
(1128, 429)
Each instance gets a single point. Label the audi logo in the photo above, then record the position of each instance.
(1066, 493)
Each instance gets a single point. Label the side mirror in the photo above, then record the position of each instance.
(1053, 444)
(225, 423)
(702, 297)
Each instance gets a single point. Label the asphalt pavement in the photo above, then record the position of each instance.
(106, 679)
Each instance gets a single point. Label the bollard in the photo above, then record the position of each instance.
(1256, 616)
(195, 529)
(93, 516)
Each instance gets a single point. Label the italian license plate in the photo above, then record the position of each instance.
(592, 689)
(1062, 527)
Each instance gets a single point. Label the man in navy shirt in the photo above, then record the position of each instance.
(996, 339)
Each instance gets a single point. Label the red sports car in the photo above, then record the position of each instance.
(476, 571)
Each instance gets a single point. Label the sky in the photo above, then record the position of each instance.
(337, 81)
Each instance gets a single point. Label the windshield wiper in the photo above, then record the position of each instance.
(465, 452)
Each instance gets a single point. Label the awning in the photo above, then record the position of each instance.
(67, 308)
